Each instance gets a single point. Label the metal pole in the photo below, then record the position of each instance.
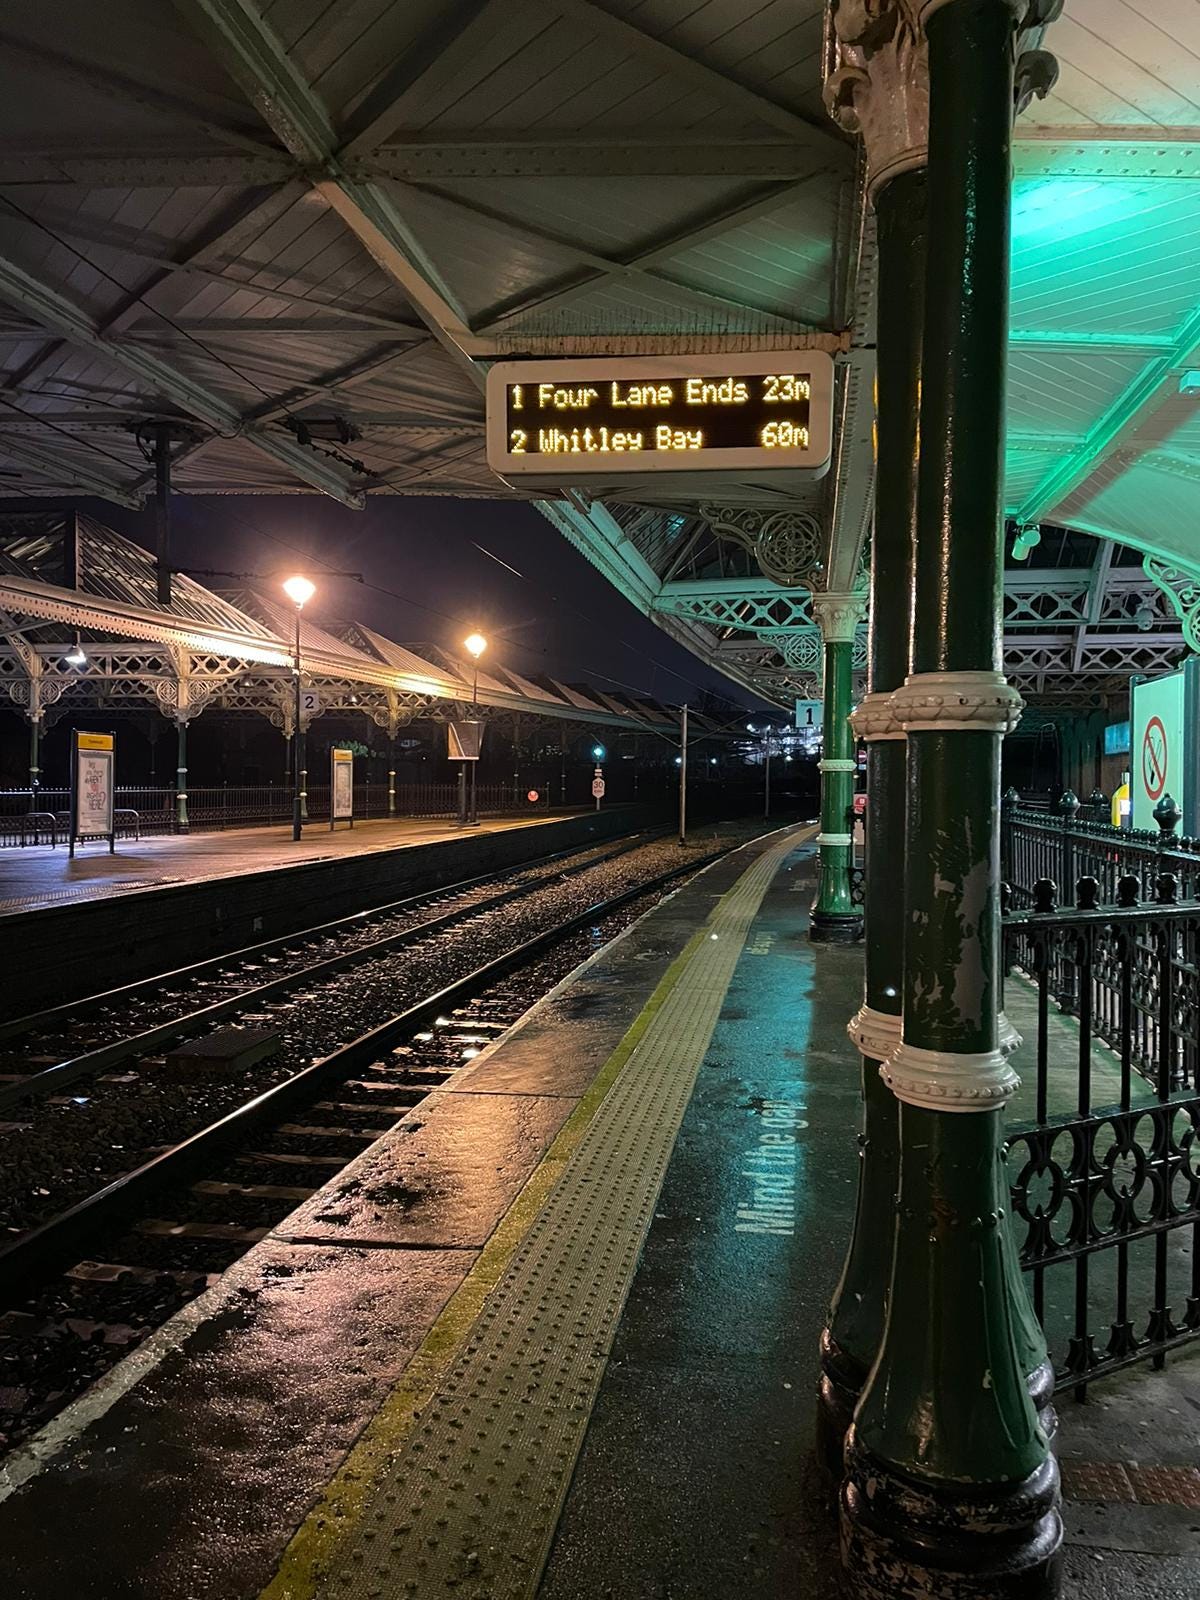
(478, 745)
(767, 773)
(951, 1488)
(683, 755)
(181, 811)
(297, 816)
(162, 513)
(35, 771)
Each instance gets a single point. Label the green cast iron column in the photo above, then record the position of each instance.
(951, 1489)
(851, 1339)
(181, 809)
(835, 918)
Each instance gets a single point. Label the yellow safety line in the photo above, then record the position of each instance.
(335, 1515)
(336, 1511)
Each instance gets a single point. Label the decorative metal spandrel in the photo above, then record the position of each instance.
(786, 544)
(1182, 590)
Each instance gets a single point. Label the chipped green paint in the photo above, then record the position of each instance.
(945, 1425)
(855, 1328)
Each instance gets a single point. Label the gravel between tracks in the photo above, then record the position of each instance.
(57, 1152)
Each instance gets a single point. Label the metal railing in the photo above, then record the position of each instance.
(215, 807)
(1106, 1194)
(1067, 844)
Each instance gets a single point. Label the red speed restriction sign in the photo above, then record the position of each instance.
(1154, 758)
(860, 805)
(533, 797)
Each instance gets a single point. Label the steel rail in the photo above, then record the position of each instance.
(42, 1251)
(50, 1079)
(16, 1026)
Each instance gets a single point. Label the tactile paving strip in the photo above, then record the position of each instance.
(469, 1505)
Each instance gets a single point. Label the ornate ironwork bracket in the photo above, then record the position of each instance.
(786, 544)
(1183, 591)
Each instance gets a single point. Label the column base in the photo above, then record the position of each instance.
(842, 1380)
(828, 927)
(903, 1539)
(841, 1384)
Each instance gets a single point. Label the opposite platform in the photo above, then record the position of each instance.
(102, 920)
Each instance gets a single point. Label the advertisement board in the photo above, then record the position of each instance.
(93, 777)
(341, 787)
(1164, 748)
(464, 737)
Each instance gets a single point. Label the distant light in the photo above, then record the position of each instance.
(598, 752)
(750, 728)
(712, 761)
(476, 644)
(678, 761)
(299, 590)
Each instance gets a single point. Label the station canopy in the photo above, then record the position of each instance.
(81, 626)
(302, 233)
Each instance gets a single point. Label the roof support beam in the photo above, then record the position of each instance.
(1133, 407)
(420, 161)
(383, 106)
(65, 476)
(256, 60)
(49, 308)
(643, 266)
(716, 85)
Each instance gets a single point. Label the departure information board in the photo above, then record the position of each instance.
(734, 413)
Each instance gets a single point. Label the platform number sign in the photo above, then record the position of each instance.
(310, 702)
(93, 796)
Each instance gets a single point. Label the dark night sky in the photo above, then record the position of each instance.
(426, 580)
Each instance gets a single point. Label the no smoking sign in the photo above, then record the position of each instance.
(1154, 758)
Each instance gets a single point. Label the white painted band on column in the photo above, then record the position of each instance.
(1007, 1037)
(874, 718)
(835, 838)
(949, 702)
(943, 1080)
(876, 1034)
(837, 764)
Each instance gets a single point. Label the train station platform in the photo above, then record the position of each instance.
(555, 1334)
(35, 876)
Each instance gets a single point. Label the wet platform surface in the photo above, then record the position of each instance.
(39, 875)
(258, 1442)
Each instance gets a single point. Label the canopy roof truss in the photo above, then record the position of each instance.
(305, 232)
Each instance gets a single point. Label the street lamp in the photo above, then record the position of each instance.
(299, 591)
(476, 644)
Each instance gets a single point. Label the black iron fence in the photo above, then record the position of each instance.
(1073, 842)
(41, 816)
(1106, 1180)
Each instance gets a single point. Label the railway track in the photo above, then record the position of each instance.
(139, 1018)
(90, 1280)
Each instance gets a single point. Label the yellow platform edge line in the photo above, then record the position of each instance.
(334, 1515)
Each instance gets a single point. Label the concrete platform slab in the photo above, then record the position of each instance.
(191, 1484)
(453, 1167)
(179, 1477)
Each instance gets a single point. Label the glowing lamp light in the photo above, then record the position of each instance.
(299, 590)
(476, 644)
(77, 655)
(597, 752)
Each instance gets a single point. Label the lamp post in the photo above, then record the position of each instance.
(766, 739)
(299, 591)
(476, 644)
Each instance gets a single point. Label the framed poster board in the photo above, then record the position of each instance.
(1164, 757)
(93, 798)
(341, 787)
